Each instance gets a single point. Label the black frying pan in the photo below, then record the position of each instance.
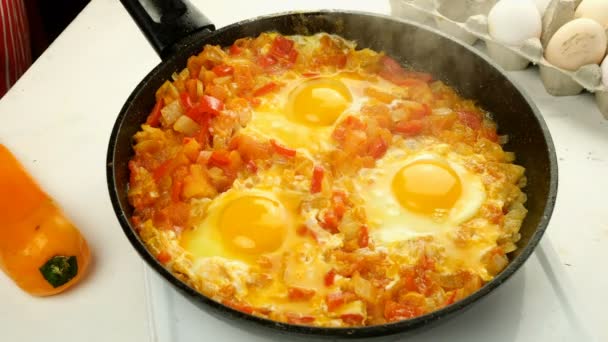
(177, 30)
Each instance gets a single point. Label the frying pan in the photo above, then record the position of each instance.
(177, 30)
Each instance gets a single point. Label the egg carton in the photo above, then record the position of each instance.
(467, 21)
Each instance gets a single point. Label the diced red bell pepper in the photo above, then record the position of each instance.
(316, 183)
(235, 50)
(299, 294)
(282, 150)
(223, 70)
(265, 89)
(409, 128)
(154, 117)
(163, 257)
(377, 148)
(330, 277)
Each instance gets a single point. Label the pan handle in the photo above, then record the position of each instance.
(165, 22)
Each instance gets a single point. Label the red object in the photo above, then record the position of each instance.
(15, 51)
(154, 118)
(363, 237)
(409, 128)
(219, 158)
(330, 277)
(470, 119)
(265, 89)
(282, 150)
(317, 179)
(352, 319)
(163, 257)
(223, 70)
(299, 294)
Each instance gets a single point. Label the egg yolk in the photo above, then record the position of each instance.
(253, 225)
(319, 102)
(426, 185)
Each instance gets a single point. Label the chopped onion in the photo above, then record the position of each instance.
(199, 88)
(363, 288)
(222, 80)
(186, 125)
(171, 113)
(442, 111)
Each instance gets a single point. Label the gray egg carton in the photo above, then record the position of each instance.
(466, 20)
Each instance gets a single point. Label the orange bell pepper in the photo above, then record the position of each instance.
(40, 249)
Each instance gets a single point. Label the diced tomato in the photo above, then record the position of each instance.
(352, 318)
(377, 148)
(363, 237)
(394, 311)
(251, 166)
(420, 112)
(186, 102)
(266, 61)
(238, 306)
(163, 257)
(234, 50)
(176, 190)
(391, 70)
(337, 299)
(473, 120)
(316, 184)
(223, 70)
(299, 294)
(212, 105)
(265, 89)
(330, 277)
(330, 222)
(154, 117)
(281, 47)
(299, 319)
(219, 158)
(310, 74)
(409, 128)
(282, 150)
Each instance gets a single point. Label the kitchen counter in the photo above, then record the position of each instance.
(57, 120)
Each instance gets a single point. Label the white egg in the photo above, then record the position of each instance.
(542, 5)
(593, 9)
(391, 221)
(512, 22)
(605, 71)
(579, 42)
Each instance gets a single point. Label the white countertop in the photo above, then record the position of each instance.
(57, 120)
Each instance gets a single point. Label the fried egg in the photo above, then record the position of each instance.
(304, 113)
(422, 193)
(246, 223)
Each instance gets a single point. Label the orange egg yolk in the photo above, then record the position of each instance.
(425, 186)
(319, 102)
(253, 225)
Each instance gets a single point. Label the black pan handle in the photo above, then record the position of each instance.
(165, 22)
